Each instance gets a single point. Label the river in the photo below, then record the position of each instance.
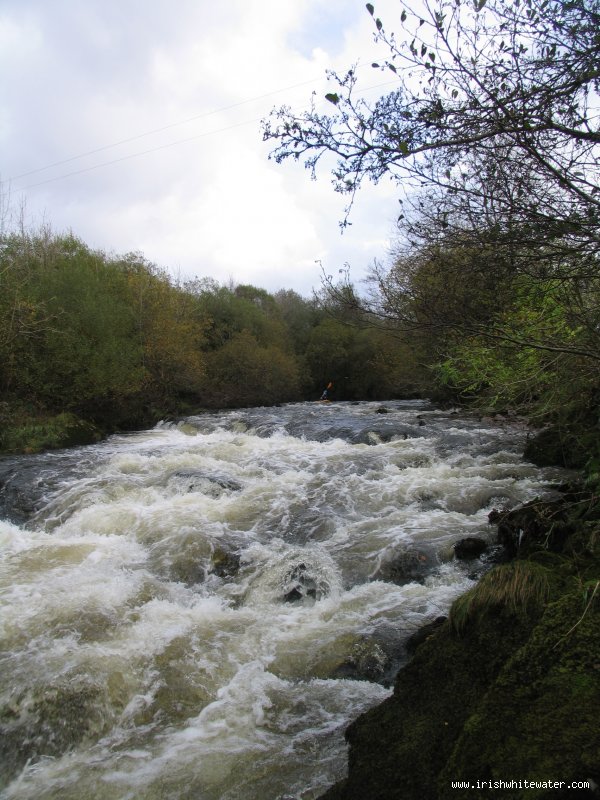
(197, 611)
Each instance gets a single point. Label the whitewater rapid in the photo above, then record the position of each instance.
(199, 610)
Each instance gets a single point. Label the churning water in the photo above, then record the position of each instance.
(198, 611)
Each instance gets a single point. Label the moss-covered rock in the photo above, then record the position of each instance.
(398, 749)
(34, 433)
(566, 445)
(539, 719)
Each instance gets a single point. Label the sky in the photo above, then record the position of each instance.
(135, 124)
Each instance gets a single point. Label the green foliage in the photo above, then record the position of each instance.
(244, 373)
(169, 330)
(245, 308)
(24, 431)
(499, 369)
(362, 361)
(80, 331)
(300, 316)
(75, 344)
(115, 341)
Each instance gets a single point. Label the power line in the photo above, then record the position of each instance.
(160, 130)
(163, 146)
(135, 155)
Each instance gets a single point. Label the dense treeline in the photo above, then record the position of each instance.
(494, 334)
(87, 337)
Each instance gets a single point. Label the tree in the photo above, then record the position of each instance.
(299, 315)
(68, 339)
(245, 373)
(516, 84)
(230, 311)
(171, 329)
(492, 134)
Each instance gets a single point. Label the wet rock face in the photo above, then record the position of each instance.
(367, 661)
(15, 504)
(189, 480)
(20, 488)
(224, 563)
(299, 584)
(302, 583)
(469, 548)
(407, 566)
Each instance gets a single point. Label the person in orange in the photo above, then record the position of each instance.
(325, 395)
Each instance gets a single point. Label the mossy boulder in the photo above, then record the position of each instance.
(469, 547)
(32, 434)
(398, 749)
(566, 445)
(366, 661)
(225, 563)
(407, 564)
(539, 719)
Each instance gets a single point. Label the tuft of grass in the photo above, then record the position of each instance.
(517, 586)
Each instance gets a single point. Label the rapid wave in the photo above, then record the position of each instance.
(199, 610)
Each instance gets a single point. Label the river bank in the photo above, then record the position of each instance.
(507, 689)
(27, 429)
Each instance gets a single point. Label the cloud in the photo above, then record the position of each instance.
(181, 88)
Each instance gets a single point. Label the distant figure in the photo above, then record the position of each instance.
(325, 395)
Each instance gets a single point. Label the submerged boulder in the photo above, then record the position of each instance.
(42, 722)
(224, 563)
(190, 480)
(367, 661)
(406, 565)
(469, 548)
(301, 583)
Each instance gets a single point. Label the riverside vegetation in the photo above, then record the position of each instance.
(92, 343)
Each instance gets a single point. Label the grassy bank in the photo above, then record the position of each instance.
(24, 430)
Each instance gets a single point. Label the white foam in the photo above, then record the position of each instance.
(217, 682)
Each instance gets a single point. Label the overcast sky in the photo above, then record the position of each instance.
(136, 124)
